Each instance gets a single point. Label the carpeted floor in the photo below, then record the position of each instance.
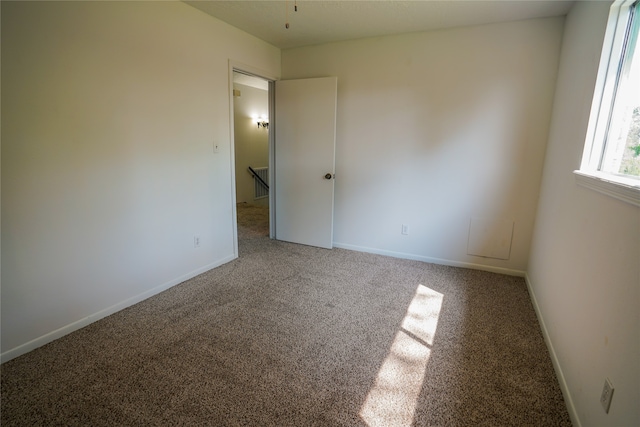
(290, 335)
(253, 221)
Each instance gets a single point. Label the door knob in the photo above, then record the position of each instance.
(328, 176)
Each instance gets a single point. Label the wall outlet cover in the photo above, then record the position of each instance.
(607, 394)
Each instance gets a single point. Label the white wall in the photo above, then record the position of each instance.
(251, 142)
(584, 270)
(436, 128)
(109, 113)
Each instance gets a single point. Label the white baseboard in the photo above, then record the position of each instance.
(575, 420)
(67, 329)
(492, 269)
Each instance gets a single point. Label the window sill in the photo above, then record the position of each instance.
(625, 189)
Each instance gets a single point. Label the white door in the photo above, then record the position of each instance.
(305, 140)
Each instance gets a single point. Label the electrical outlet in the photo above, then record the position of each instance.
(607, 394)
(196, 241)
(405, 229)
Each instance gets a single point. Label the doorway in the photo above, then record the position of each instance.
(252, 155)
(305, 159)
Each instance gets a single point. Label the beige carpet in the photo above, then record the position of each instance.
(289, 335)
(253, 221)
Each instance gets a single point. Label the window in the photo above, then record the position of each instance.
(611, 159)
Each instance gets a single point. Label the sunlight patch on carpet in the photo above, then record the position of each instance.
(392, 400)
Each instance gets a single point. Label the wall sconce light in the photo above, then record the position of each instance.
(262, 121)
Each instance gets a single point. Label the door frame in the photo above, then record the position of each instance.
(235, 66)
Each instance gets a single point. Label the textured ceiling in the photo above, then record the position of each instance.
(319, 21)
